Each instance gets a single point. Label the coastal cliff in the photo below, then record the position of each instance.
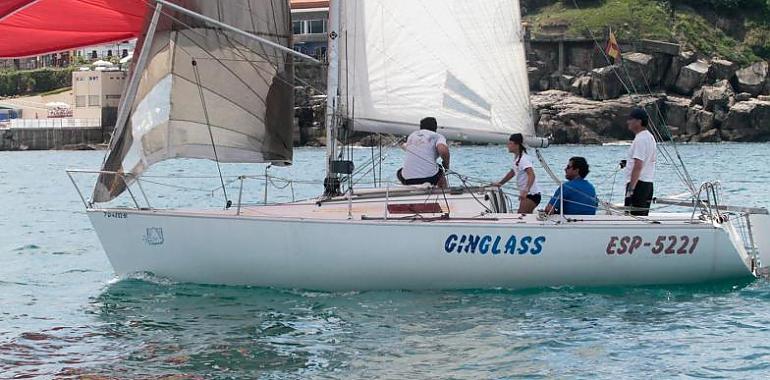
(701, 72)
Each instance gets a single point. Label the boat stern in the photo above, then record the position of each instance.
(760, 231)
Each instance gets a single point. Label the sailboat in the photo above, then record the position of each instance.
(214, 80)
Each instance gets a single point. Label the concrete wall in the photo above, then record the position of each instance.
(583, 55)
(48, 138)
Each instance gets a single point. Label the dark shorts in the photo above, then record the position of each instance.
(535, 198)
(419, 181)
(641, 198)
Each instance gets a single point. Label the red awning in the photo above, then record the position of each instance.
(34, 27)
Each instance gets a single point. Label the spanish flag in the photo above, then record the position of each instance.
(613, 50)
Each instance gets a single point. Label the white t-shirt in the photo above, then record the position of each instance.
(421, 154)
(520, 172)
(643, 148)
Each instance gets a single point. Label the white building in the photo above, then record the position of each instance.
(309, 24)
(97, 94)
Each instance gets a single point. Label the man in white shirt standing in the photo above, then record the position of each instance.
(423, 147)
(640, 167)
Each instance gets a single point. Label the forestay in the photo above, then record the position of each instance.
(200, 79)
(460, 61)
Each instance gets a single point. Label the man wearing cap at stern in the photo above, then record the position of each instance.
(640, 167)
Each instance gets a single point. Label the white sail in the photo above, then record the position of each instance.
(460, 61)
(209, 93)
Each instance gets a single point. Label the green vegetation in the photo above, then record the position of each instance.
(691, 23)
(630, 19)
(34, 81)
(696, 34)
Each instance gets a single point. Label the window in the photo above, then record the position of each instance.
(93, 54)
(298, 27)
(317, 26)
(80, 101)
(124, 54)
(93, 100)
(109, 53)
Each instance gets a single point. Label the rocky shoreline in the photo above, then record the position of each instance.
(689, 99)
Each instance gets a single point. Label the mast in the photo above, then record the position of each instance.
(331, 184)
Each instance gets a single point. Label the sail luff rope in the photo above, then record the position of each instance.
(211, 133)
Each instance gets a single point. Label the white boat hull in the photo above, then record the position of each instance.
(356, 254)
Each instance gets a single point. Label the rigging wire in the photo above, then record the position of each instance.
(681, 172)
(264, 54)
(228, 202)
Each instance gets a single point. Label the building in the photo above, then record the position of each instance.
(97, 94)
(309, 24)
(108, 52)
(114, 51)
(62, 59)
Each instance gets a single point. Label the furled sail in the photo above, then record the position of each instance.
(460, 61)
(208, 93)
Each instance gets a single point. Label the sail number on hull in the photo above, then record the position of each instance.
(664, 244)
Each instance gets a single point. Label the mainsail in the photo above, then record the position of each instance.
(209, 93)
(460, 61)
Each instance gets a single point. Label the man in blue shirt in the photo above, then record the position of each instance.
(579, 194)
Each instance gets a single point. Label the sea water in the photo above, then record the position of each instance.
(63, 314)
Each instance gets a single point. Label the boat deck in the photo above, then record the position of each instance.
(455, 208)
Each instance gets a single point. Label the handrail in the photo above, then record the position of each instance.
(270, 181)
(89, 203)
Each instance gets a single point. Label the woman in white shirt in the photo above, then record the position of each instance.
(529, 191)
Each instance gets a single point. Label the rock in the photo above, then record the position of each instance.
(544, 84)
(712, 135)
(742, 97)
(764, 98)
(605, 84)
(752, 79)
(534, 74)
(582, 87)
(575, 88)
(720, 115)
(642, 71)
(717, 96)
(675, 131)
(692, 127)
(676, 112)
(677, 63)
(572, 119)
(722, 69)
(553, 81)
(691, 77)
(697, 97)
(565, 82)
(662, 63)
(574, 71)
(704, 120)
(748, 121)
(585, 87)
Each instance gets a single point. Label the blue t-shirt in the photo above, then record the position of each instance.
(579, 198)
